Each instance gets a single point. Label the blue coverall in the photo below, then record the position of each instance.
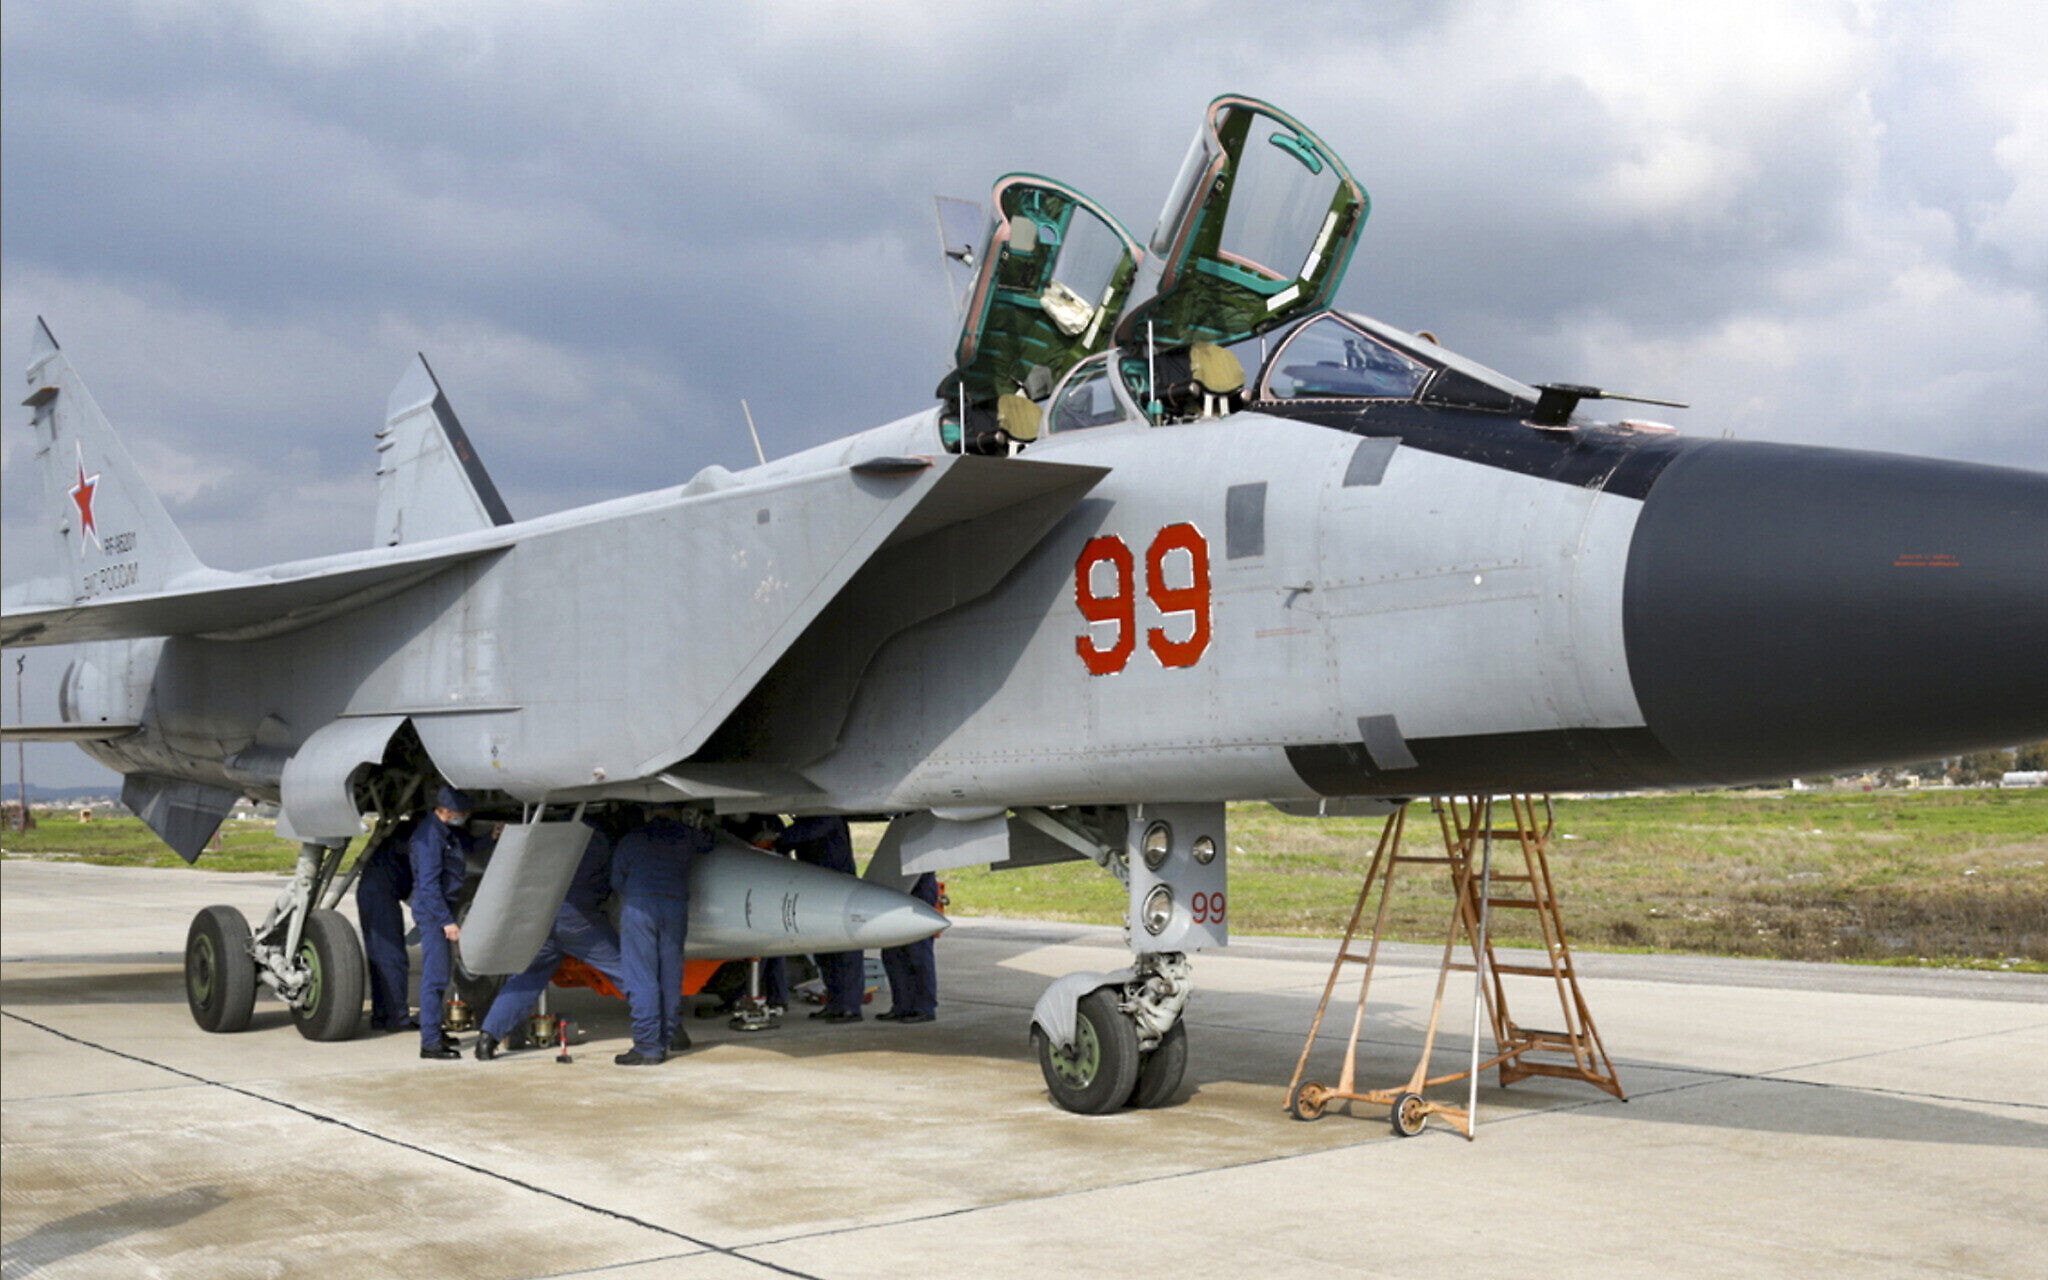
(827, 842)
(581, 930)
(381, 889)
(440, 853)
(651, 873)
(913, 968)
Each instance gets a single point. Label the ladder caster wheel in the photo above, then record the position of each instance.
(1410, 1114)
(1307, 1101)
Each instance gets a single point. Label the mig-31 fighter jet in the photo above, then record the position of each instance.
(1127, 569)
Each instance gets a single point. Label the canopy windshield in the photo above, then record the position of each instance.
(1256, 233)
(1055, 271)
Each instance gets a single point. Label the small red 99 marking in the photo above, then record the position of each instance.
(1176, 582)
(1208, 908)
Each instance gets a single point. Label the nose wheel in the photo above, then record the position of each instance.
(1105, 1070)
(1096, 1074)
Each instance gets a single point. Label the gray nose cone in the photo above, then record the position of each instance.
(878, 917)
(1792, 610)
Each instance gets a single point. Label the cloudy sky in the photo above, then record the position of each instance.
(606, 223)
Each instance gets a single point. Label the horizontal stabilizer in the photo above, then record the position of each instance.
(239, 607)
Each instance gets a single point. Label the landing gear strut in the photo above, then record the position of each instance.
(305, 950)
(309, 954)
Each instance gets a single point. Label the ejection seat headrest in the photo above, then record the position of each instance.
(1019, 418)
(1218, 371)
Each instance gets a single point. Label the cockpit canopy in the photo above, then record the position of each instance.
(1333, 356)
(1055, 271)
(1256, 233)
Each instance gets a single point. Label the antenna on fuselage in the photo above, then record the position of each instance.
(753, 433)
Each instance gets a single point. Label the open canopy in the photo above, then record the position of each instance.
(1054, 274)
(1256, 233)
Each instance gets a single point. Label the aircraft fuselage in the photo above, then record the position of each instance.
(1342, 601)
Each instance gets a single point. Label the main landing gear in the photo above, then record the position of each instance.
(305, 952)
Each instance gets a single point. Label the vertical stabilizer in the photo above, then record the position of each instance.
(430, 483)
(114, 535)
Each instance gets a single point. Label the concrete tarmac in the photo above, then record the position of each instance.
(1784, 1120)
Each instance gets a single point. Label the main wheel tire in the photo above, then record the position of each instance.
(1097, 1076)
(331, 1005)
(220, 974)
(1160, 1073)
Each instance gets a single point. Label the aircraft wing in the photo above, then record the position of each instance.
(229, 607)
(950, 544)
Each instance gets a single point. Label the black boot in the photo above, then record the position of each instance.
(486, 1046)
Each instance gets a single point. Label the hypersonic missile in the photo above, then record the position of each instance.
(743, 903)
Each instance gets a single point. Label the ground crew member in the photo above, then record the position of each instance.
(440, 856)
(651, 875)
(581, 930)
(913, 969)
(381, 890)
(827, 842)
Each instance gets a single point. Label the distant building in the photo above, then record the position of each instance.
(2024, 778)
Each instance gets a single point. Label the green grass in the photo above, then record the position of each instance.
(1934, 877)
(125, 842)
(1949, 877)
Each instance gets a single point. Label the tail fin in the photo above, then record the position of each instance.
(430, 483)
(115, 536)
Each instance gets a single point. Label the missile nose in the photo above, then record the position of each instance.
(878, 917)
(1791, 610)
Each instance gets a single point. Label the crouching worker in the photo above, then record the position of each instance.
(581, 930)
(651, 874)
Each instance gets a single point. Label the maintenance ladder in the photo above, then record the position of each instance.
(1467, 825)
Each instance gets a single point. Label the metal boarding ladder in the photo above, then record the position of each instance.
(1469, 834)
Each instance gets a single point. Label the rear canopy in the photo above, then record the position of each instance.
(1256, 233)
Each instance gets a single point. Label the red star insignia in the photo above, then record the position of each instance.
(82, 495)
